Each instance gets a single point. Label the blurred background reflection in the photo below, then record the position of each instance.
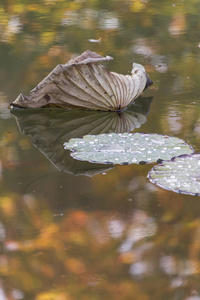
(111, 234)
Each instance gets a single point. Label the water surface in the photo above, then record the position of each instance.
(74, 230)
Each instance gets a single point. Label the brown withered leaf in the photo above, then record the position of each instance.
(83, 83)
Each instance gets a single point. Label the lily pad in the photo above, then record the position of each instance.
(180, 175)
(127, 148)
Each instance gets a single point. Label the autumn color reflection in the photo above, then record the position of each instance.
(105, 236)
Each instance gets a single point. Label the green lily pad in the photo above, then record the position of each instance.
(126, 148)
(180, 175)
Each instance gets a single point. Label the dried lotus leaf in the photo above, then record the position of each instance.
(85, 84)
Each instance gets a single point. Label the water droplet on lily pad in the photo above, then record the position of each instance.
(126, 147)
(180, 175)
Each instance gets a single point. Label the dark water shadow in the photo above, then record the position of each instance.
(49, 128)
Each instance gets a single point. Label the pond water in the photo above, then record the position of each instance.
(75, 230)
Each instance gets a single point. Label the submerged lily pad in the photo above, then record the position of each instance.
(127, 148)
(180, 175)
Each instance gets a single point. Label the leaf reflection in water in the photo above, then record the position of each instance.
(50, 128)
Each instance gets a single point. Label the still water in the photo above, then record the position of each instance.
(73, 230)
